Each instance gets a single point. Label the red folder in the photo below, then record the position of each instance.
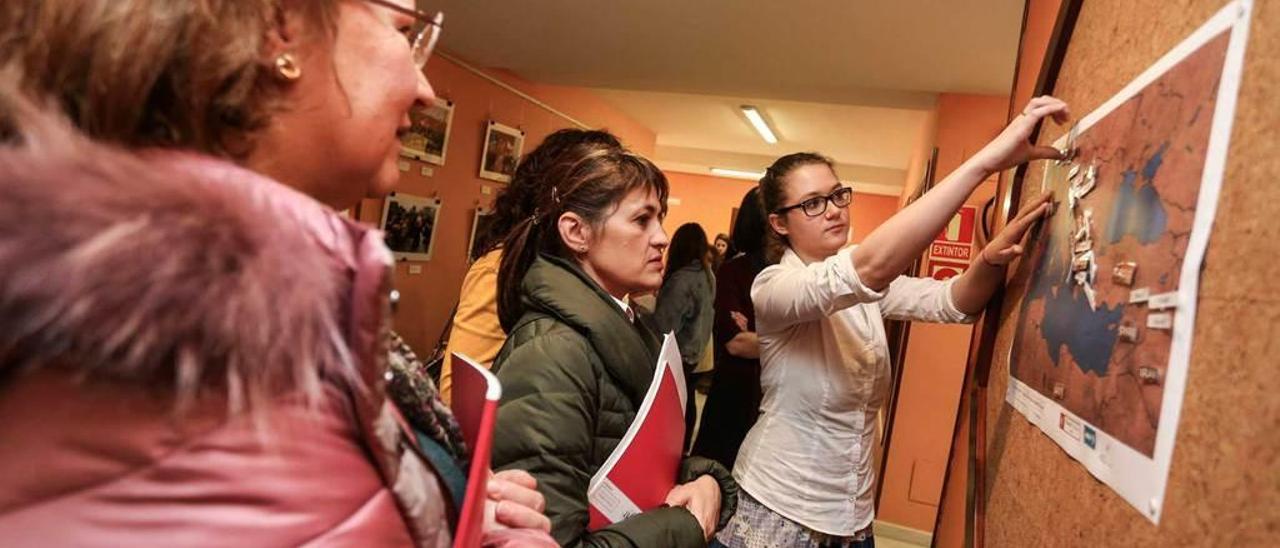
(475, 394)
(642, 468)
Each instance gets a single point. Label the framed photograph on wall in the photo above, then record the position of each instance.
(479, 226)
(428, 138)
(408, 224)
(502, 147)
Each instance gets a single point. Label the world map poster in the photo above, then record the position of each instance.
(1102, 339)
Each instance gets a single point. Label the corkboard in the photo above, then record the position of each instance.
(1224, 484)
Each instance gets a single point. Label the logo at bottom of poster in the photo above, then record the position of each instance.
(1071, 425)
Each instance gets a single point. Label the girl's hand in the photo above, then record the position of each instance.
(514, 502)
(1012, 146)
(702, 498)
(740, 320)
(1007, 245)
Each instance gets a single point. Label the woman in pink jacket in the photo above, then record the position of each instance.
(192, 342)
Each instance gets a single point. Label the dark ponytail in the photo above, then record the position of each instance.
(517, 201)
(589, 179)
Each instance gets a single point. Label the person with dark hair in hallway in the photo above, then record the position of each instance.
(685, 306)
(721, 251)
(733, 401)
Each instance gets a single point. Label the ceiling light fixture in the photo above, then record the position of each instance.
(738, 173)
(757, 121)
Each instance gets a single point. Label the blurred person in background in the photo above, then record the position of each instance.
(733, 401)
(685, 306)
(722, 251)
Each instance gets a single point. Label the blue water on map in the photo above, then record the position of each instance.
(1138, 211)
(1068, 323)
(1090, 335)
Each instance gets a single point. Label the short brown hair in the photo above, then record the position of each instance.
(153, 73)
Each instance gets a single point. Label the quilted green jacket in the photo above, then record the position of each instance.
(574, 370)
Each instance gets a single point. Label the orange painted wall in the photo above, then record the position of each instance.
(933, 367)
(428, 297)
(1041, 16)
(586, 107)
(868, 212)
(703, 199)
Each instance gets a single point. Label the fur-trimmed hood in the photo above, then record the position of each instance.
(179, 270)
(175, 277)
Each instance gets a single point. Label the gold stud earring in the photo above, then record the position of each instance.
(287, 68)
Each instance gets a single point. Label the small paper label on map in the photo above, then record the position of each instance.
(1128, 332)
(1083, 189)
(1089, 294)
(1163, 301)
(1123, 273)
(1163, 320)
(1139, 295)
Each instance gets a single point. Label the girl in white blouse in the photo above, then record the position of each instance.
(806, 466)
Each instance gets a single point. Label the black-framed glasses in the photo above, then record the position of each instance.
(423, 39)
(817, 205)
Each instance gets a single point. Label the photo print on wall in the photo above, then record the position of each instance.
(502, 147)
(408, 224)
(428, 137)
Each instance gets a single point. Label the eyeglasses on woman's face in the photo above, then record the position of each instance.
(424, 34)
(817, 205)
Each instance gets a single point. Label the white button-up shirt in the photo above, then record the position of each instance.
(825, 374)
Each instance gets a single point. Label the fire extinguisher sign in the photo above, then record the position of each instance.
(952, 251)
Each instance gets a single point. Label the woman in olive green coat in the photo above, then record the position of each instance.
(577, 362)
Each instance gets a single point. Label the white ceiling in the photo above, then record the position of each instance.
(851, 78)
(694, 132)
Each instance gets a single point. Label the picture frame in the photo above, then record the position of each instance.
(479, 225)
(409, 225)
(428, 138)
(503, 145)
